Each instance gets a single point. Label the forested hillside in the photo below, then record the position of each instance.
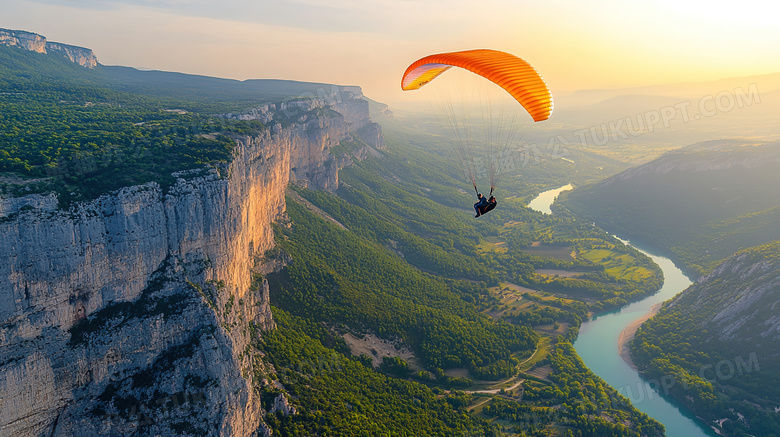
(717, 344)
(400, 259)
(85, 132)
(699, 204)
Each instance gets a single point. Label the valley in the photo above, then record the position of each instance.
(191, 255)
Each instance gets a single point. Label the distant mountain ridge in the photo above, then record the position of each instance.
(699, 204)
(707, 156)
(27, 69)
(39, 44)
(767, 82)
(638, 124)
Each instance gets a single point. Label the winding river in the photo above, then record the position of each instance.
(597, 344)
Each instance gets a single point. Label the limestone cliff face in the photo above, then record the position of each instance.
(26, 40)
(134, 312)
(80, 55)
(38, 43)
(739, 300)
(345, 119)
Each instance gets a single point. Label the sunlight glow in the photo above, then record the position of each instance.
(573, 44)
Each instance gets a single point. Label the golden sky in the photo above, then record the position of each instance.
(573, 44)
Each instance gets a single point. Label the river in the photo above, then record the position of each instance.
(544, 200)
(597, 345)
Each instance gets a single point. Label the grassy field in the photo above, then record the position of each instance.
(560, 273)
(563, 253)
(618, 265)
(511, 299)
(492, 244)
(542, 350)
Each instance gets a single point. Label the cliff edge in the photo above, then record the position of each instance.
(133, 313)
(39, 44)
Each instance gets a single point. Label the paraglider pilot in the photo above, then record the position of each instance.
(484, 205)
(480, 205)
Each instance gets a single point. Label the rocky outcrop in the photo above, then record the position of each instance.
(80, 55)
(325, 122)
(26, 40)
(740, 298)
(38, 43)
(718, 344)
(133, 313)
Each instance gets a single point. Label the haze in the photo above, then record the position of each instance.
(575, 45)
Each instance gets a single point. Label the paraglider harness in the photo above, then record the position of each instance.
(483, 207)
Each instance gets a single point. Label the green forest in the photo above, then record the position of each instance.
(423, 278)
(339, 394)
(83, 133)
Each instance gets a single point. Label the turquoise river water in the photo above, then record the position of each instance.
(597, 344)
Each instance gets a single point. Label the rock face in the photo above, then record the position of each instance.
(718, 344)
(323, 120)
(133, 313)
(741, 300)
(80, 55)
(38, 43)
(26, 40)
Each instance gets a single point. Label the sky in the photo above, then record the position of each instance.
(572, 44)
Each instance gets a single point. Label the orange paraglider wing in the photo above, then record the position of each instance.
(509, 72)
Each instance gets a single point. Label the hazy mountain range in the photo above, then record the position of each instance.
(699, 204)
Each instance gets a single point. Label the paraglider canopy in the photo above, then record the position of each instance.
(498, 128)
(509, 72)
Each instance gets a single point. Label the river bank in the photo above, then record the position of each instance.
(628, 334)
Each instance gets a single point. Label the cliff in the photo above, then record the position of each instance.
(134, 312)
(738, 301)
(333, 118)
(38, 43)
